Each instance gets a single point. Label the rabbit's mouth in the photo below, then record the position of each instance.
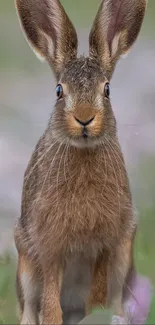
(85, 133)
(85, 137)
(85, 141)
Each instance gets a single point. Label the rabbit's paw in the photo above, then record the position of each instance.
(118, 320)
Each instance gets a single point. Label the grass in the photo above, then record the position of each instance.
(7, 291)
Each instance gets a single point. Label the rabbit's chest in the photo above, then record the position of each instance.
(80, 208)
(85, 209)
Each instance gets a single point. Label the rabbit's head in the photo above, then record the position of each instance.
(83, 114)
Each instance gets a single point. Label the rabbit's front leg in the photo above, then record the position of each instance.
(28, 290)
(108, 281)
(120, 265)
(98, 292)
(51, 309)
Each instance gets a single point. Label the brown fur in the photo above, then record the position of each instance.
(122, 19)
(77, 220)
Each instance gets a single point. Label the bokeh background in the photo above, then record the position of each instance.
(26, 100)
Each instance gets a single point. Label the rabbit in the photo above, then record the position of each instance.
(75, 235)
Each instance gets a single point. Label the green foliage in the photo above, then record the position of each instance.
(7, 291)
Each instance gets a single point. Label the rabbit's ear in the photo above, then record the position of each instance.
(48, 30)
(115, 29)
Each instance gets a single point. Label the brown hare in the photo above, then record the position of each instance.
(76, 231)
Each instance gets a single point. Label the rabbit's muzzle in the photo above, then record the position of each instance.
(84, 123)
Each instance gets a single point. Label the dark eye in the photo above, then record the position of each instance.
(59, 91)
(107, 90)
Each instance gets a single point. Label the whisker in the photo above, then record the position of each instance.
(58, 172)
(116, 178)
(118, 147)
(65, 158)
(65, 176)
(106, 173)
(48, 171)
(114, 152)
(53, 160)
(38, 161)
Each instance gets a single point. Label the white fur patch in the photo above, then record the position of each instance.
(118, 320)
(115, 44)
(29, 287)
(83, 144)
(36, 51)
(123, 56)
(30, 290)
(99, 101)
(69, 103)
(28, 317)
(50, 45)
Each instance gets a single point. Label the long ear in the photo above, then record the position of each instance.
(48, 30)
(115, 29)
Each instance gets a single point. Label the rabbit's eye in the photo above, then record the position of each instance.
(107, 90)
(59, 91)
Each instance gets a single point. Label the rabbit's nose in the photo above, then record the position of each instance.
(86, 123)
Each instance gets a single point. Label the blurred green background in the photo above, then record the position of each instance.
(26, 95)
